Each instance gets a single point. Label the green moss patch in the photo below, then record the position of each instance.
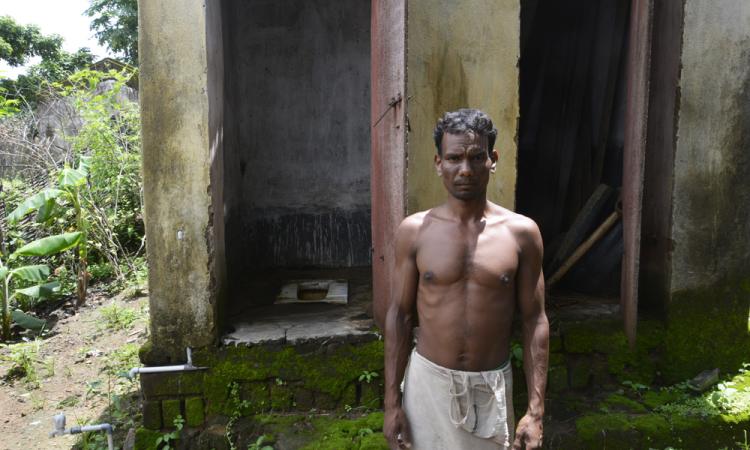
(315, 432)
(707, 328)
(669, 417)
(277, 378)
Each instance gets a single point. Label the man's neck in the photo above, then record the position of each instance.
(467, 211)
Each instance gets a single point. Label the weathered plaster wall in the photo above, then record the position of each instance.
(177, 173)
(711, 216)
(709, 282)
(298, 159)
(461, 54)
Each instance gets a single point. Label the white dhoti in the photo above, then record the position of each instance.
(453, 409)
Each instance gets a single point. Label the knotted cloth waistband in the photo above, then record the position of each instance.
(477, 399)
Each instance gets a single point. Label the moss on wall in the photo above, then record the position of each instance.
(708, 328)
(275, 378)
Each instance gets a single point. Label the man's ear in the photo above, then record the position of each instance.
(439, 165)
(493, 157)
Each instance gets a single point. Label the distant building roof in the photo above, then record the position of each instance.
(106, 64)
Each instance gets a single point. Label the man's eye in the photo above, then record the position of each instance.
(453, 158)
(478, 157)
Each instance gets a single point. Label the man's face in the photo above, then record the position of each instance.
(465, 165)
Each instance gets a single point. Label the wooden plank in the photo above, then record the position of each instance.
(636, 118)
(583, 224)
(388, 39)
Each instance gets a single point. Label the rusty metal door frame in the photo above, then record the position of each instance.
(637, 72)
(388, 141)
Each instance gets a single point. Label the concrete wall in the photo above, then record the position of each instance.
(461, 54)
(181, 133)
(711, 194)
(297, 164)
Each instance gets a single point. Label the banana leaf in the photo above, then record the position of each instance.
(50, 245)
(33, 203)
(37, 273)
(40, 290)
(27, 321)
(70, 177)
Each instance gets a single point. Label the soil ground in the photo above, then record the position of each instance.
(76, 368)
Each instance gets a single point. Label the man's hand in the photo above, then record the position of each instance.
(528, 433)
(396, 429)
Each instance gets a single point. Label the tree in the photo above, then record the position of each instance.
(20, 42)
(116, 26)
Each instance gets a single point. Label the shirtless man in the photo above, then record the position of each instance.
(462, 269)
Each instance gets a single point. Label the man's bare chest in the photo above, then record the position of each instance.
(489, 259)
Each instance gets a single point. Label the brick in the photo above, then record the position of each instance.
(325, 401)
(152, 414)
(304, 399)
(557, 379)
(579, 370)
(160, 385)
(170, 409)
(281, 396)
(194, 411)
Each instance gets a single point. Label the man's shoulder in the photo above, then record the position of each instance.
(411, 224)
(523, 227)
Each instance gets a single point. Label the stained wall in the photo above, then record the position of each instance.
(181, 136)
(461, 54)
(297, 149)
(711, 193)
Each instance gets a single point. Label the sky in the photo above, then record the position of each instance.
(63, 17)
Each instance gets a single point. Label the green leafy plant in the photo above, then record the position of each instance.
(110, 137)
(117, 317)
(70, 184)
(259, 444)
(367, 376)
(167, 440)
(22, 358)
(637, 387)
(8, 106)
(363, 432)
(36, 274)
(238, 406)
(516, 354)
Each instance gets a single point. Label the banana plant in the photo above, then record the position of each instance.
(36, 273)
(70, 186)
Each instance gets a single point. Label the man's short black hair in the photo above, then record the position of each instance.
(462, 121)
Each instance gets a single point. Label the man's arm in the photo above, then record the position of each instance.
(530, 295)
(399, 324)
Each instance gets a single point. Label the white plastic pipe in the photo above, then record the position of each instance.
(160, 369)
(59, 421)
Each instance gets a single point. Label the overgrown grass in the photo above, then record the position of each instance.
(117, 317)
(728, 398)
(23, 358)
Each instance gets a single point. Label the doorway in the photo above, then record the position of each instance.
(296, 145)
(571, 139)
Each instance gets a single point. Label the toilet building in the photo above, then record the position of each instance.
(284, 140)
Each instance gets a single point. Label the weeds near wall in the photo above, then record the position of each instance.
(238, 406)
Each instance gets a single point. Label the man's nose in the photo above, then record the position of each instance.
(465, 169)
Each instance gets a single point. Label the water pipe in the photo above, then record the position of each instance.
(160, 369)
(59, 422)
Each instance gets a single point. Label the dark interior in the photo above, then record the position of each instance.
(296, 143)
(572, 97)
